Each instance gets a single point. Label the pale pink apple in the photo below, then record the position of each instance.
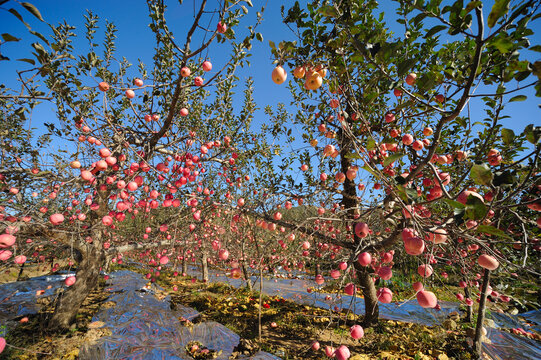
(427, 299)
(342, 353)
(356, 331)
(5, 255)
(384, 295)
(488, 262)
(364, 259)
(70, 280)
(362, 230)
(425, 270)
(207, 66)
(414, 245)
(6, 240)
(56, 219)
(418, 286)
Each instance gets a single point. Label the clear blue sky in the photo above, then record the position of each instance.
(135, 41)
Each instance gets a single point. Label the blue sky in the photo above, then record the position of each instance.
(135, 41)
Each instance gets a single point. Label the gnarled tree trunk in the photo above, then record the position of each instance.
(368, 288)
(70, 301)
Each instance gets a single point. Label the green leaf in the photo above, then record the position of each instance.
(404, 66)
(32, 9)
(503, 44)
(434, 30)
(259, 36)
(454, 204)
(475, 208)
(472, 5)
(392, 158)
(18, 16)
(533, 133)
(272, 45)
(353, 156)
(518, 98)
(249, 2)
(30, 61)
(504, 179)
(370, 144)
(367, 168)
(328, 10)
(412, 194)
(487, 229)
(8, 37)
(481, 174)
(508, 136)
(43, 38)
(499, 9)
(535, 48)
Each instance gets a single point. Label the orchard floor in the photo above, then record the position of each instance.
(195, 311)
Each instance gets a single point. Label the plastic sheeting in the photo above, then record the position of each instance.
(296, 290)
(506, 346)
(503, 345)
(19, 298)
(144, 327)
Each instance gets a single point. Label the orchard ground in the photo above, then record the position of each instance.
(287, 327)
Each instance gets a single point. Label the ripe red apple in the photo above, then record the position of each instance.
(425, 270)
(221, 27)
(411, 78)
(364, 259)
(56, 219)
(198, 81)
(130, 94)
(356, 331)
(342, 353)
(207, 66)
(185, 71)
(70, 280)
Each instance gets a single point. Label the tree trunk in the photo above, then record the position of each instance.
(477, 341)
(21, 272)
(246, 276)
(184, 265)
(368, 288)
(205, 267)
(350, 202)
(108, 259)
(70, 300)
(469, 308)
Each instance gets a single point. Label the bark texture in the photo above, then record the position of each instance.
(70, 300)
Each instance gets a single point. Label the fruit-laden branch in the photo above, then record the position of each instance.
(479, 44)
